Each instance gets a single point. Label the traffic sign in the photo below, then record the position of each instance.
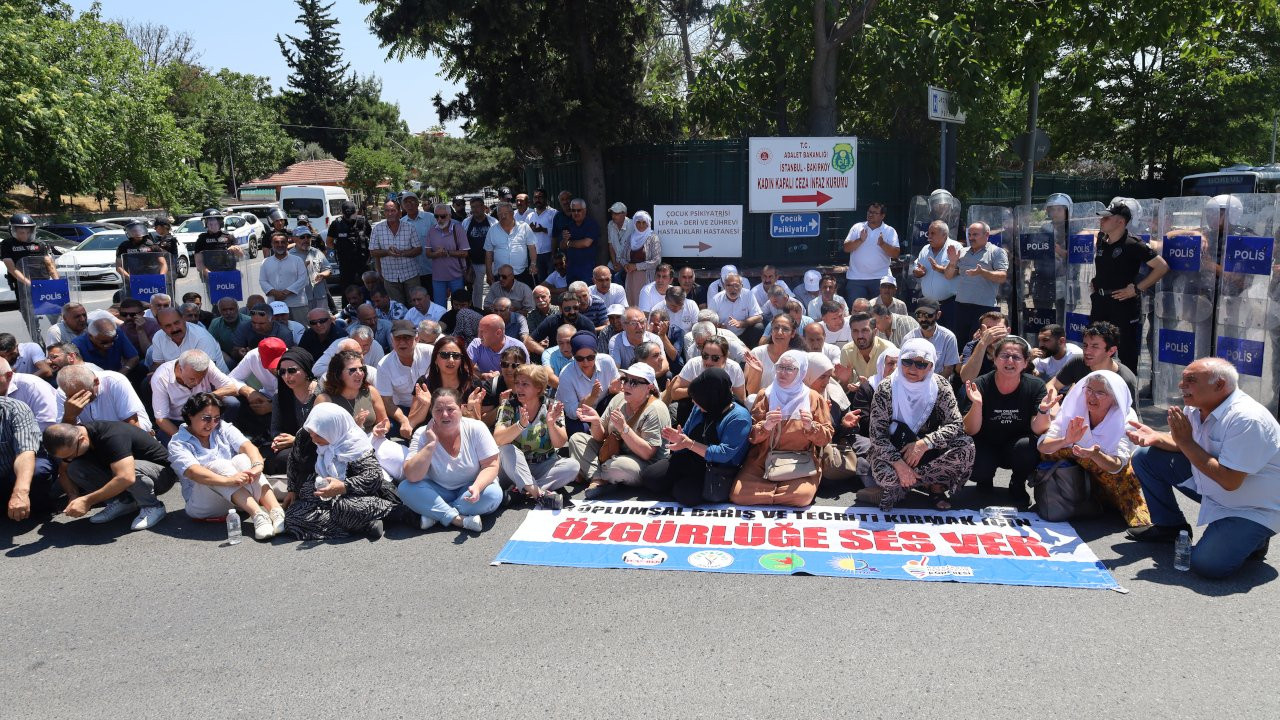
(796, 174)
(789, 225)
(943, 106)
(699, 230)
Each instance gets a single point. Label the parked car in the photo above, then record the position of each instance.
(58, 243)
(79, 232)
(126, 219)
(246, 233)
(94, 260)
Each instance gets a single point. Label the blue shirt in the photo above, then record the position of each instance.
(382, 335)
(581, 261)
(732, 432)
(120, 351)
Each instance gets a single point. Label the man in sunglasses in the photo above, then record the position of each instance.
(398, 372)
(568, 315)
(139, 328)
(942, 339)
(509, 286)
(422, 308)
(560, 356)
(322, 331)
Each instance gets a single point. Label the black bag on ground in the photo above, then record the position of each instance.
(1063, 490)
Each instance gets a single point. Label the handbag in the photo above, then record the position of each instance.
(784, 465)
(612, 443)
(1063, 490)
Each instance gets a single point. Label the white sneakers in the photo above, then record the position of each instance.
(471, 522)
(426, 522)
(148, 517)
(277, 521)
(125, 504)
(262, 527)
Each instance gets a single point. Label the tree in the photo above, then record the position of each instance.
(460, 165)
(311, 151)
(161, 46)
(367, 168)
(587, 85)
(319, 80)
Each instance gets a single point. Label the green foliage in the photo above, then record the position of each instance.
(368, 167)
(311, 151)
(458, 165)
(320, 84)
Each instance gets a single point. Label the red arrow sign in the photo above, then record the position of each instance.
(819, 198)
(700, 247)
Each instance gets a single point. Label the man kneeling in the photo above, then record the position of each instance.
(1223, 450)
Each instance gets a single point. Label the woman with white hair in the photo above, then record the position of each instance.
(917, 435)
(794, 420)
(644, 258)
(1090, 431)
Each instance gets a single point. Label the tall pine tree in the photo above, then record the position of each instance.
(320, 85)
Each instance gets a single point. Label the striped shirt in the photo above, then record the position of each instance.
(18, 432)
(396, 269)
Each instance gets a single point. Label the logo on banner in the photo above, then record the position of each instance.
(711, 559)
(1248, 254)
(1177, 347)
(922, 569)
(224, 284)
(1035, 246)
(1182, 252)
(1076, 323)
(48, 296)
(1080, 251)
(644, 557)
(1246, 355)
(142, 287)
(851, 564)
(781, 562)
(842, 157)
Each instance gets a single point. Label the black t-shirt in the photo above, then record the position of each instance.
(477, 231)
(11, 249)
(350, 237)
(167, 243)
(547, 328)
(114, 440)
(1075, 370)
(148, 245)
(213, 241)
(1006, 418)
(1117, 264)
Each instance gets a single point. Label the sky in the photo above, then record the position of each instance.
(243, 39)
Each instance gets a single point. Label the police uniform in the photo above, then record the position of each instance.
(148, 245)
(13, 250)
(220, 240)
(167, 243)
(350, 240)
(1115, 267)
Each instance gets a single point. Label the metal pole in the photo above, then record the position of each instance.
(231, 160)
(1029, 165)
(1275, 115)
(942, 153)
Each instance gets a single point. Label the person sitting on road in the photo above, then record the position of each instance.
(87, 393)
(760, 360)
(451, 468)
(347, 493)
(1223, 451)
(103, 345)
(322, 331)
(397, 373)
(27, 357)
(191, 373)
(917, 435)
(347, 385)
(626, 438)
(290, 406)
(713, 353)
(1099, 347)
(367, 317)
(1008, 410)
(31, 391)
(26, 475)
(707, 451)
(450, 368)
(530, 431)
(360, 341)
(114, 463)
(591, 378)
(497, 388)
(979, 355)
(1089, 430)
(220, 469)
(560, 356)
(176, 336)
(842, 457)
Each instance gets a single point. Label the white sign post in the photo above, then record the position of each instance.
(699, 230)
(790, 174)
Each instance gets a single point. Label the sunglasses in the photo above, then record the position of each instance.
(634, 381)
(712, 358)
(289, 370)
(918, 363)
(442, 217)
(358, 370)
(584, 358)
(450, 355)
(925, 315)
(211, 418)
(510, 365)
(314, 323)
(127, 315)
(259, 313)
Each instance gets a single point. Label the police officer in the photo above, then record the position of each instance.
(213, 238)
(1117, 291)
(22, 241)
(138, 241)
(276, 220)
(349, 240)
(163, 237)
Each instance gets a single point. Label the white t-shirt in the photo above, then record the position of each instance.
(766, 365)
(869, 261)
(396, 380)
(650, 297)
(615, 295)
(762, 295)
(684, 319)
(693, 369)
(29, 354)
(545, 219)
(838, 337)
(251, 366)
(168, 395)
(117, 400)
(815, 306)
(1048, 367)
(458, 472)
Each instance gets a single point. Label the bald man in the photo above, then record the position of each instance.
(486, 350)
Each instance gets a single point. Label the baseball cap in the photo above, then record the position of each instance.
(643, 371)
(408, 195)
(261, 308)
(617, 207)
(616, 309)
(302, 231)
(812, 280)
(279, 308)
(1118, 208)
(403, 327)
(889, 280)
(269, 352)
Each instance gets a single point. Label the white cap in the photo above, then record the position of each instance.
(889, 280)
(618, 208)
(279, 308)
(812, 280)
(616, 309)
(643, 371)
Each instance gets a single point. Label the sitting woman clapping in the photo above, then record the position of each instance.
(451, 467)
(530, 430)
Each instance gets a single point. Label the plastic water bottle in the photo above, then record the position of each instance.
(321, 483)
(1182, 551)
(999, 511)
(233, 528)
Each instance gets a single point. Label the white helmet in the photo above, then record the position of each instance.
(942, 197)
(1212, 206)
(1135, 208)
(1060, 200)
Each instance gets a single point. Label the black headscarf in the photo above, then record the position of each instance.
(290, 409)
(713, 392)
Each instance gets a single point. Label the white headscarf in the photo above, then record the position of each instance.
(790, 399)
(638, 238)
(820, 364)
(914, 401)
(1106, 434)
(346, 441)
(880, 362)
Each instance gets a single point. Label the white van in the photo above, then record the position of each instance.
(322, 204)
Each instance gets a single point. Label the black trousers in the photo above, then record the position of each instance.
(1021, 457)
(683, 480)
(1127, 316)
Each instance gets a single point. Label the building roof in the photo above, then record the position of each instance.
(307, 172)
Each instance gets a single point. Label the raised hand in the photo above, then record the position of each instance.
(973, 393)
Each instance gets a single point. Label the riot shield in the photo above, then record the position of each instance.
(1000, 220)
(1033, 264)
(1246, 319)
(1183, 300)
(148, 273)
(224, 276)
(51, 287)
(920, 214)
(1076, 274)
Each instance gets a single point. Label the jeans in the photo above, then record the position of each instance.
(440, 290)
(544, 264)
(1224, 544)
(44, 492)
(966, 320)
(444, 504)
(854, 289)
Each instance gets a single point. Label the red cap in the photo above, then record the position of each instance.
(269, 352)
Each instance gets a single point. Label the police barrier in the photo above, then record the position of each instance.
(1248, 291)
(146, 274)
(939, 205)
(1039, 235)
(1077, 272)
(1187, 238)
(50, 289)
(1000, 221)
(224, 276)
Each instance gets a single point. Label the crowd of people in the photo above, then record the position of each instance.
(477, 361)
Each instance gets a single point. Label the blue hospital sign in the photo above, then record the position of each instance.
(225, 284)
(1081, 250)
(1246, 355)
(1182, 252)
(142, 287)
(48, 296)
(1177, 347)
(1248, 254)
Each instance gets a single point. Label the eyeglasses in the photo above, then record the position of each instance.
(314, 323)
(633, 323)
(443, 217)
(785, 369)
(289, 370)
(925, 315)
(584, 358)
(510, 365)
(210, 418)
(919, 363)
(259, 313)
(357, 370)
(450, 355)
(634, 381)
(505, 277)
(575, 211)
(1010, 356)
(712, 358)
